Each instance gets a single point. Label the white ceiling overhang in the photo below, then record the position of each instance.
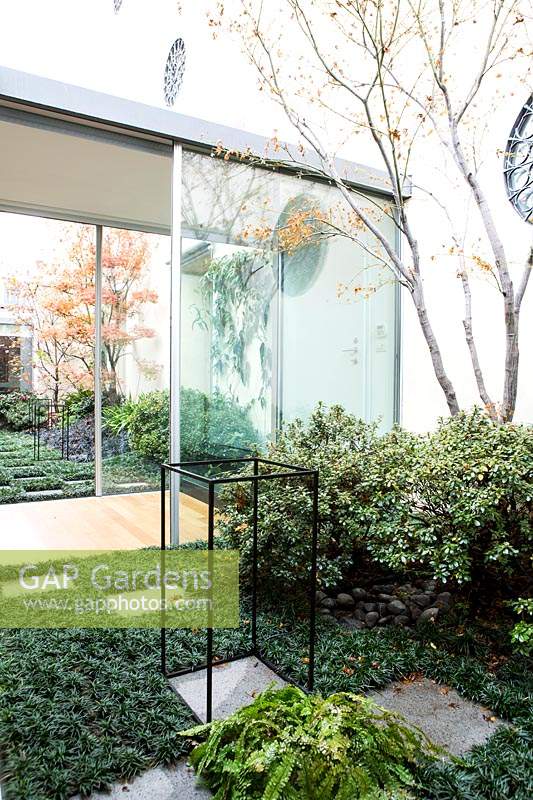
(57, 169)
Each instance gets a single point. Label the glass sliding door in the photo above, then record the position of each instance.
(269, 326)
(49, 281)
(47, 334)
(48, 313)
(135, 359)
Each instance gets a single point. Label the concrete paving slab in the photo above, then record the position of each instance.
(49, 493)
(160, 783)
(234, 685)
(447, 718)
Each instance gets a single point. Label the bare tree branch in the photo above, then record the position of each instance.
(373, 93)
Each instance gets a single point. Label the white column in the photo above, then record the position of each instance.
(175, 339)
(98, 490)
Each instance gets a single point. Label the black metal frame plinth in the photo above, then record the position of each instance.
(186, 469)
(43, 413)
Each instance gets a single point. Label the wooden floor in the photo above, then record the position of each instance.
(125, 521)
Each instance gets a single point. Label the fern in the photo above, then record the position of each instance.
(280, 778)
(288, 745)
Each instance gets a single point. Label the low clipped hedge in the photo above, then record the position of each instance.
(22, 479)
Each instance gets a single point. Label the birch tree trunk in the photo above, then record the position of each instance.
(445, 383)
(511, 312)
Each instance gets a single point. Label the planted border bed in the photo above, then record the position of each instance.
(80, 709)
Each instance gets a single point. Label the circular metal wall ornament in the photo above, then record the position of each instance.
(116, 5)
(302, 267)
(174, 71)
(518, 164)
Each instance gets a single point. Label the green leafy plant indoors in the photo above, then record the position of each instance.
(288, 745)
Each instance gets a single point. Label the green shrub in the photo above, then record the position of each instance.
(119, 418)
(80, 404)
(457, 502)
(18, 461)
(205, 423)
(148, 427)
(288, 745)
(208, 424)
(339, 446)
(9, 494)
(40, 484)
(85, 489)
(522, 633)
(31, 471)
(14, 411)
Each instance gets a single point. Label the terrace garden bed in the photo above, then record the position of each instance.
(446, 514)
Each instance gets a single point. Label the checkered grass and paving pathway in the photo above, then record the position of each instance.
(23, 478)
(84, 709)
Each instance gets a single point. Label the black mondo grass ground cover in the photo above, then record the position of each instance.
(80, 708)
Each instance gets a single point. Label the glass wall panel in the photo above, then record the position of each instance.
(47, 285)
(279, 310)
(47, 324)
(337, 307)
(228, 291)
(135, 359)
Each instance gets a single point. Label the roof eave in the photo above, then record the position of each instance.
(85, 106)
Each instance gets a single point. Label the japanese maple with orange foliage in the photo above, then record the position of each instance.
(57, 301)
